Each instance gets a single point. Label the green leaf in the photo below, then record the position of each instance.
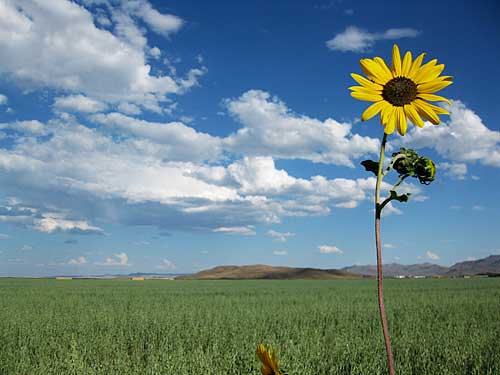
(400, 198)
(370, 166)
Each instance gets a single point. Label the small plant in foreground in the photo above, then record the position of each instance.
(270, 365)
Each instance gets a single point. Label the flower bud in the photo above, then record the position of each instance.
(425, 170)
(405, 161)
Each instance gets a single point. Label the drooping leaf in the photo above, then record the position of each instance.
(400, 198)
(370, 166)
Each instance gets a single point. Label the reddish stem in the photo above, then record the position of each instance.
(380, 288)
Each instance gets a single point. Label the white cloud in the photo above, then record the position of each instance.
(329, 249)
(259, 174)
(77, 261)
(462, 139)
(129, 108)
(477, 208)
(25, 248)
(389, 246)
(4, 236)
(470, 259)
(155, 52)
(272, 129)
(31, 127)
(51, 222)
(166, 265)
(279, 236)
(431, 255)
(3, 99)
(173, 141)
(354, 39)
(161, 23)
(118, 260)
(79, 103)
(280, 252)
(244, 231)
(457, 171)
(455, 207)
(76, 56)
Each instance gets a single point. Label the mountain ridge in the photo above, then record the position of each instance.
(486, 266)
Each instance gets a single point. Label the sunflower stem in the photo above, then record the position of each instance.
(380, 288)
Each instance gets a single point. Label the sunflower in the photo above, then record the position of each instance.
(269, 361)
(401, 92)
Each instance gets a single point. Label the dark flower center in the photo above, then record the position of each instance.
(400, 91)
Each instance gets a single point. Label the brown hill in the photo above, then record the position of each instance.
(260, 271)
(484, 266)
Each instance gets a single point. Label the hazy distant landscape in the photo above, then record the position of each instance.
(489, 266)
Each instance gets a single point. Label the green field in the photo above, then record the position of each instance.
(213, 327)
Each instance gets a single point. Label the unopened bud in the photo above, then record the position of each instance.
(405, 161)
(425, 170)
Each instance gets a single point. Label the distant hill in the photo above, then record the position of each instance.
(395, 270)
(259, 271)
(485, 266)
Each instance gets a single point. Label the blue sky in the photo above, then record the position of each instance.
(176, 136)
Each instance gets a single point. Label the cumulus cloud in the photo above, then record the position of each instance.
(50, 223)
(3, 99)
(354, 39)
(329, 249)
(173, 141)
(116, 260)
(280, 252)
(464, 138)
(80, 261)
(74, 55)
(244, 231)
(279, 236)
(79, 103)
(166, 265)
(31, 127)
(270, 128)
(457, 171)
(431, 255)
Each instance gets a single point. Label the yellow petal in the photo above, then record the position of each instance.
(390, 125)
(431, 74)
(405, 69)
(438, 110)
(373, 110)
(425, 111)
(364, 82)
(445, 78)
(373, 71)
(384, 67)
(432, 86)
(413, 115)
(365, 90)
(366, 97)
(416, 65)
(401, 124)
(434, 98)
(396, 61)
(385, 112)
(423, 71)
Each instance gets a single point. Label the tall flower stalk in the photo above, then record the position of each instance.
(399, 93)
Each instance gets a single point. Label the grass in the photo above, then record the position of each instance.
(445, 327)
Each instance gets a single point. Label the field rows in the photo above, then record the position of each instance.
(445, 327)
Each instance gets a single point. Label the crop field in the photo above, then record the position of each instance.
(445, 327)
